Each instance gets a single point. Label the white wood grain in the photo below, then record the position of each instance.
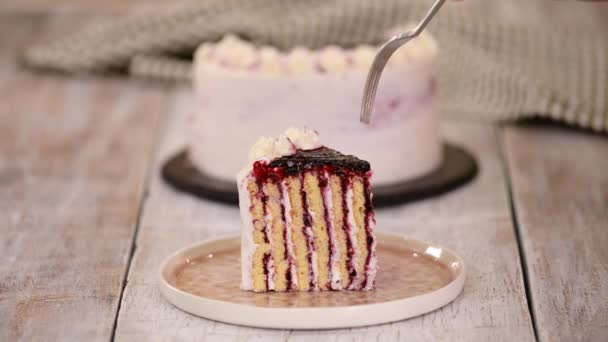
(73, 156)
(475, 221)
(560, 187)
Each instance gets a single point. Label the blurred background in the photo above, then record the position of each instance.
(562, 12)
(514, 48)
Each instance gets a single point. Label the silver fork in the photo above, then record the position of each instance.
(385, 52)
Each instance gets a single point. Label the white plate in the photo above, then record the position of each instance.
(415, 277)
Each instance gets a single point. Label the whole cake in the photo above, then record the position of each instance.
(308, 219)
(243, 91)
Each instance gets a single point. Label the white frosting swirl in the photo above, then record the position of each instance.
(270, 148)
(238, 54)
(333, 59)
(205, 51)
(235, 52)
(300, 61)
(303, 138)
(270, 60)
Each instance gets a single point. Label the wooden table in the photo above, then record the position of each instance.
(85, 218)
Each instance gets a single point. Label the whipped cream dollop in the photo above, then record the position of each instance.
(333, 59)
(240, 53)
(270, 60)
(303, 138)
(300, 61)
(270, 148)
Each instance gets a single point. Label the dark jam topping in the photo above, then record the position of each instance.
(322, 158)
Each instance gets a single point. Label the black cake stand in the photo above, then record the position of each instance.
(457, 168)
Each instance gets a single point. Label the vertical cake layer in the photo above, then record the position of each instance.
(292, 275)
(275, 225)
(333, 200)
(316, 213)
(300, 240)
(262, 253)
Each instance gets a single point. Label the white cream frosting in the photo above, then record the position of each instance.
(303, 138)
(270, 60)
(239, 54)
(300, 61)
(248, 247)
(270, 148)
(235, 52)
(204, 52)
(333, 59)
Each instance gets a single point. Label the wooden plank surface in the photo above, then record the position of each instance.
(74, 158)
(474, 221)
(560, 188)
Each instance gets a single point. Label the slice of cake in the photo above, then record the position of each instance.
(308, 217)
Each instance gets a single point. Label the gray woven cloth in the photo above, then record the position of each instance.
(490, 69)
